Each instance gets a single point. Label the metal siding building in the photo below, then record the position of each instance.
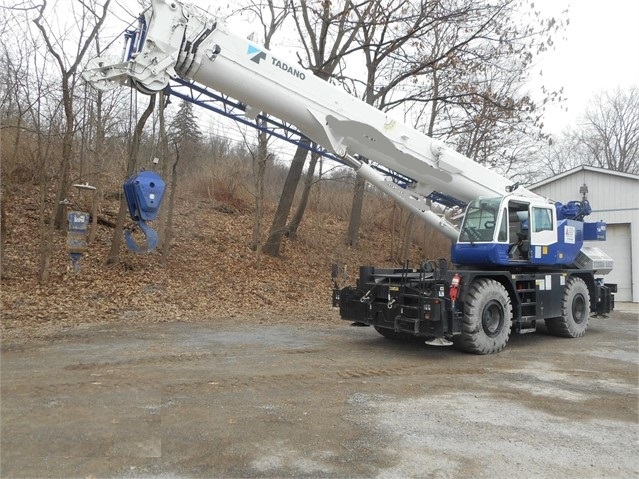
(614, 198)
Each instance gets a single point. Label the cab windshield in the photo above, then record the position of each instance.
(480, 220)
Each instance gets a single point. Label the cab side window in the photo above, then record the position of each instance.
(542, 219)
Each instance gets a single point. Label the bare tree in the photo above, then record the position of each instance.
(327, 32)
(168, 232)
(88, 17)
(113, 255)
(606, 135)
(260, 160)
(102, 115)
(610, 131)
(13, 116)
(558, 155)
(86, 20)
(448, 54)
(278, 227)
(386, 32)
(271, 15)
(163, 139)
(31, 111)
(309, 180)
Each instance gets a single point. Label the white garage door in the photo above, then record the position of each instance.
(617, 246)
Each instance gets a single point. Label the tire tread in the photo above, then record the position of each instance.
(473, 339)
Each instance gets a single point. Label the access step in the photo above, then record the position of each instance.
(525, 328)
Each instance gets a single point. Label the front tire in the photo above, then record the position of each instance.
(487, 321)
(575, 311)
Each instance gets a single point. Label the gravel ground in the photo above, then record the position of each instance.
(248, 398)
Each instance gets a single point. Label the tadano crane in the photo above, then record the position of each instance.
(518, 257)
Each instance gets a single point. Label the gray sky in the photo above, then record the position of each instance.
(601, 52)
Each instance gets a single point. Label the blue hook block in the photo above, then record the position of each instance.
(144, 192)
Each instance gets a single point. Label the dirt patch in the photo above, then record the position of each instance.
(245, 397)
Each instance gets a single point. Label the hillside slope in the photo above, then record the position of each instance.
(211, 272)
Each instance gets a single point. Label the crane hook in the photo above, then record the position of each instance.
(150, 236)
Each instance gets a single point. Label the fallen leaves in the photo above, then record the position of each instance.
(211, 273)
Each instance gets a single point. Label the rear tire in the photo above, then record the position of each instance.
(575, 311)
(487, 321)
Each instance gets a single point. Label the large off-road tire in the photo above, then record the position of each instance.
(575, 311)
(391, 334)
(487, 320)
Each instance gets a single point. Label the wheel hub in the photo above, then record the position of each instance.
(579, 309)
(493, 318)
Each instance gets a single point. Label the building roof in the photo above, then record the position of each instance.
(582, 168)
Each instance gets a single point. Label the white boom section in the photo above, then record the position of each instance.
(183, 41)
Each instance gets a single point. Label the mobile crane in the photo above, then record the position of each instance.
(518, 258)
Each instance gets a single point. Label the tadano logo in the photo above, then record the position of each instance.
(257, 54)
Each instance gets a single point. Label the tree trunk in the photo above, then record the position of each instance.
(114, 252)
(396, 232)
(407, 237)
(278, 228)
(45, 230)
(3, 224)
(7, 187)
(168, 232)
(67, 150)
(259, 170)
(294, 224)
(99, 145)
(352, 236)
(164, 159)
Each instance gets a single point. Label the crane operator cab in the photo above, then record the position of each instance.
(517, 230)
